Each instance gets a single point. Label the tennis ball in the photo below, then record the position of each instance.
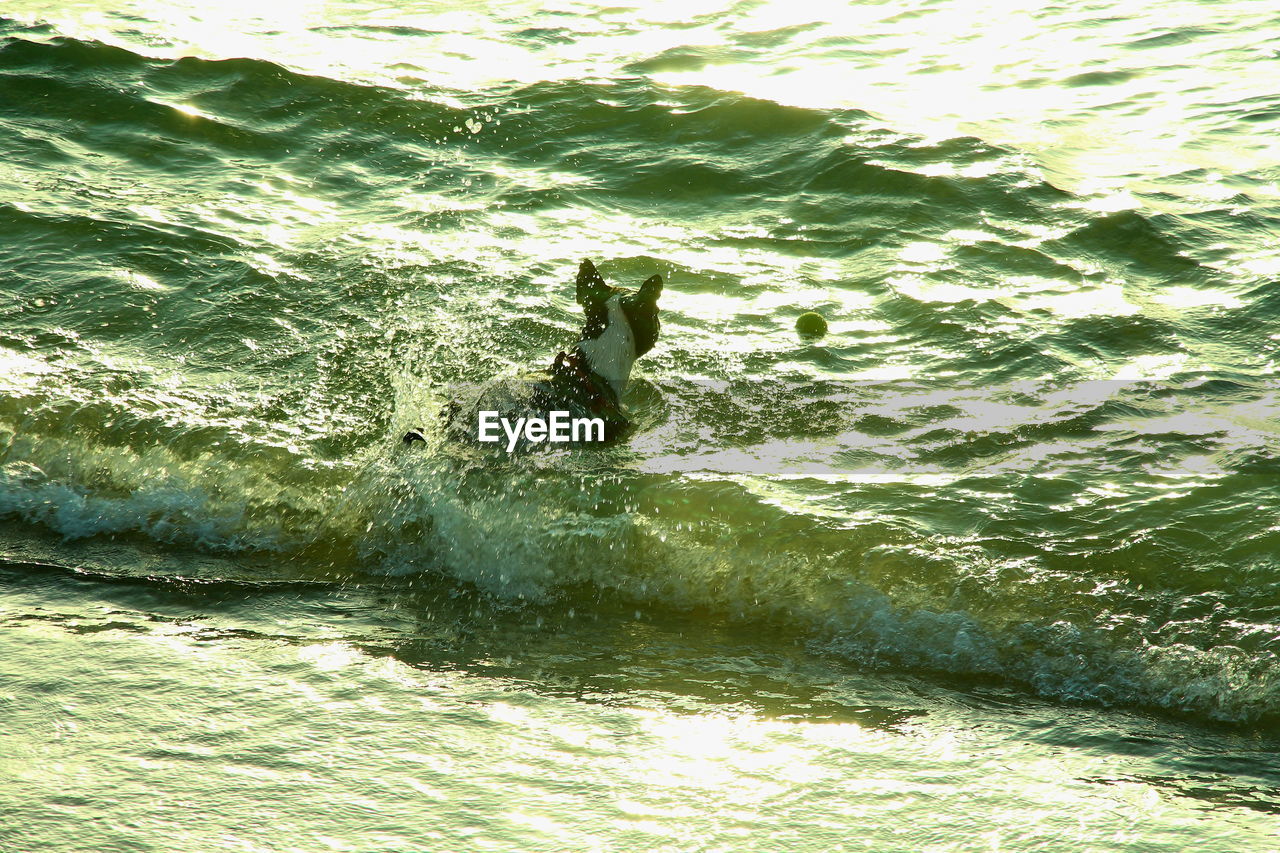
(811, 325)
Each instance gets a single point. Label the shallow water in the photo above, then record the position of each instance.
(990, 566)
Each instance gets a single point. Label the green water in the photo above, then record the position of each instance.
(990, 566)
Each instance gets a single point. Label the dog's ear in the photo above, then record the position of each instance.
(591, 287)
(651, 289)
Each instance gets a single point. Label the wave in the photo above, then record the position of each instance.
(880, 591)
(635, 143)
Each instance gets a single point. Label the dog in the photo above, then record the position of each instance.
(584, 384)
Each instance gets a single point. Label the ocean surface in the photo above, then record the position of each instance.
(992, 566)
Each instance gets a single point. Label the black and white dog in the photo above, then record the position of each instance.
(584, 384)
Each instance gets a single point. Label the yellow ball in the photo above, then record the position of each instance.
(811, 325)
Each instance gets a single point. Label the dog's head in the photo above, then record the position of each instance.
(622, 325)
(638, 307)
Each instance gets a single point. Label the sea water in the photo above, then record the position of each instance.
(991, 566)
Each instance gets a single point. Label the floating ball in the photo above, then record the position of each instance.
(811, 325)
